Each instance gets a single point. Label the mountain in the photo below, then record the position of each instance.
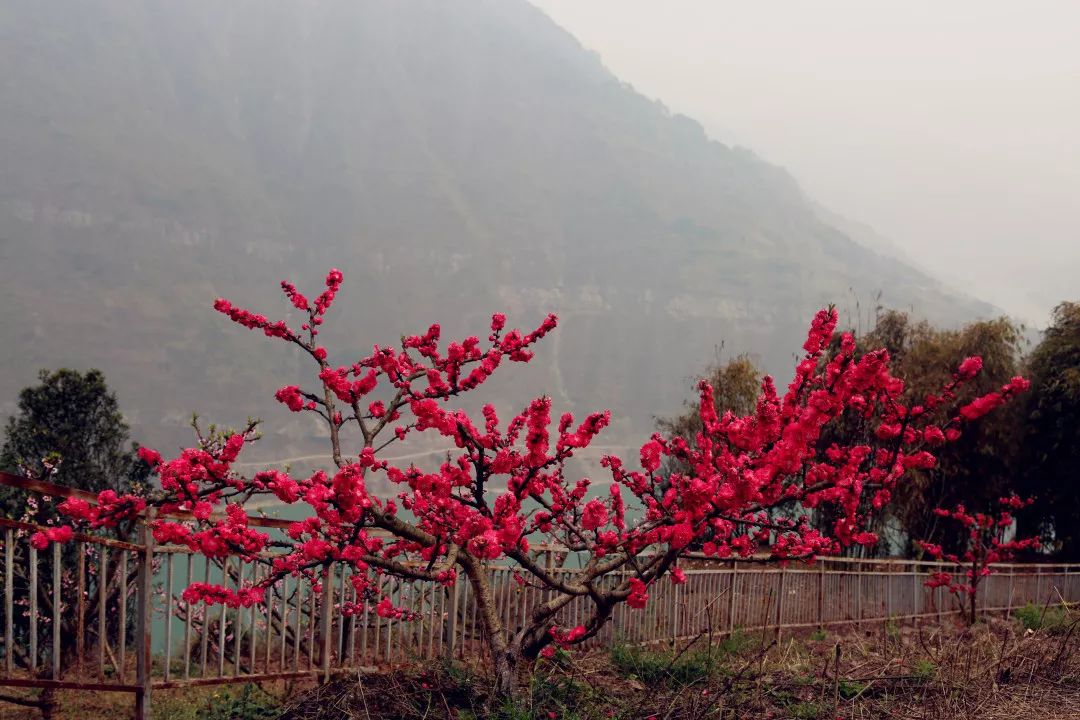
(453, 157)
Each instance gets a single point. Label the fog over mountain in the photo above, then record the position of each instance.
(948, 127)
(453, 157)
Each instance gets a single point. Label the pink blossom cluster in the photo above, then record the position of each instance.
(59, 534)
(211, 594)
(110, 509)
(565, 639)
(740, 467)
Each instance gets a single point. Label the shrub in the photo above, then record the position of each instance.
(650, 666)
(806, 711)
(251, 703)
(1053, 620)
(923, 669)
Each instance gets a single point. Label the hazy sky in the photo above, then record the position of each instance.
(952, 128)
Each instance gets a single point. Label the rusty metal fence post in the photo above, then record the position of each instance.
(143, 610)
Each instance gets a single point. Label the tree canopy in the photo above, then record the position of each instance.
(735, 384)
(980, 466)
(69, 428)
(1051, 453)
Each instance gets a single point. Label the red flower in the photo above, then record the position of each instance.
(594, 516)
(970, 367)
(638, 595)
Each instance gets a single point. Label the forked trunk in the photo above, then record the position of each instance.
(511, 673)
(510, 666)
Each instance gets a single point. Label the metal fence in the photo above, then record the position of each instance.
(101, 614)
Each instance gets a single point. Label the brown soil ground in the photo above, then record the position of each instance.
(995, 670)
(998, 669)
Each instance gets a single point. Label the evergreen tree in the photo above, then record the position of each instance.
(68, 430)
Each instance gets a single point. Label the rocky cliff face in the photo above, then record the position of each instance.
(452, 158)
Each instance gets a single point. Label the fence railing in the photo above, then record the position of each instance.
(101, 614)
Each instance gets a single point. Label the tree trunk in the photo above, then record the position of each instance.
(507, 674)
(513, 670)
(506, 657)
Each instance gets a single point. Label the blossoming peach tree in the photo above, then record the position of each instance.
(748, 484)
(986, 544)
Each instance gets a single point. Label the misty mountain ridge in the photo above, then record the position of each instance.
(454, 159)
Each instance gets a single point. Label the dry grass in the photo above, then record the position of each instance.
(995, 670)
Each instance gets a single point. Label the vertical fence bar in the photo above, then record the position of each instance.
(254, 620)
(780, 607)
(440, 593)
(388, 646)
(464, 604)
(296, 630)
(188, 619)
(858, 597)
(327, 621)
(168, 613)
(284, 619)
(9, 600)
(888, 593)
(144, 608)
(821, 596)
(103, 588)
(56, 612)
(1008, 604)
(352, 627)
(340, 646)
(312, 621)
(122, 578)
(269, 641)
(80, 626)
(404, 627)
(299, 618)
(914, 590)
(428, 649)
(204, 641)
(222, 618)
(731, 600)
(33, 609)
(238, 618)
